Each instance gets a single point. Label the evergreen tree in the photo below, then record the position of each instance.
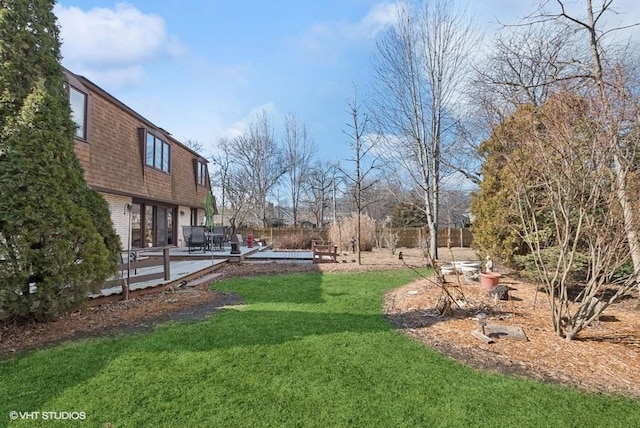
(408, 215)
(496, 231)
(57, 241)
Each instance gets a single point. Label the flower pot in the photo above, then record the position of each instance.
(448, 270)
(488, 280)
(476, 265)
(460, 266)
(469, 269)
(470, 273)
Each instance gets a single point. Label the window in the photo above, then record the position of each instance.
(78, 101)
(201, 173)
(136, 226)
(194, 217)
(157, 153)
(165, 157)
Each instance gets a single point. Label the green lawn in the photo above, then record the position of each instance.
(306, 350)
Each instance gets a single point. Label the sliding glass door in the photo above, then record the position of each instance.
(152, 225)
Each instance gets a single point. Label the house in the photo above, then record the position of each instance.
(152, 182)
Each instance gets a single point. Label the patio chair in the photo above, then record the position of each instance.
(197, 239)
(186, 232)
(218, 236)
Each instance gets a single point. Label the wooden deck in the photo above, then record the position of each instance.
(160, 269)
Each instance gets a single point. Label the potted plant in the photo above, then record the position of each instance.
(488, 280)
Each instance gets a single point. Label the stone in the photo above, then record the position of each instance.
(500, 291)
(510, 332)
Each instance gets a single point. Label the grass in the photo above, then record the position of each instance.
(305, 350)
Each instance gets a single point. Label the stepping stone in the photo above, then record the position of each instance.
(510, 332)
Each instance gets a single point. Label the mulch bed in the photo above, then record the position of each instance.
(131, 316)
(604, 358)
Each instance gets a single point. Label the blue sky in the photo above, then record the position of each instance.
(200, 69)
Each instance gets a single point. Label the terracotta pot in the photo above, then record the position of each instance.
(488, 280)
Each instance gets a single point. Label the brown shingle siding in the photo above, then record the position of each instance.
(114, 162)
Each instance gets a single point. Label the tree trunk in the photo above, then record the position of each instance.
(359, 258)
(630, 223)
(433, 241)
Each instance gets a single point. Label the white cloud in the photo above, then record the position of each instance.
(322, 38)
(379, 17)
(240, 127)
(110, 78)
(111, 42)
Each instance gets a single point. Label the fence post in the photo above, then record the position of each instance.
(125, 281)
(167, 263)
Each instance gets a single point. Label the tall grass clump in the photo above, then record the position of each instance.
(293, 239)
(344, 230)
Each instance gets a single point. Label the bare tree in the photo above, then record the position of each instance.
(318, 186)
(194, 145)
(257, 164)
(220, 170)
(567, 46)
(527, 64)
(454, 208)
(299, 151)
(613, 95)
(384, 197)
(421, 66)
(567, 210)
(364, 163)
(236, 193)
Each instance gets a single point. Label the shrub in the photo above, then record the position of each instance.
(528, 269)
(391, 239)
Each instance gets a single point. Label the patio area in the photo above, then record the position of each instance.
(186, 266)
(257, 253)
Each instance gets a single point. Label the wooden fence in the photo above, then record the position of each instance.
(407, 237)
(446, 237)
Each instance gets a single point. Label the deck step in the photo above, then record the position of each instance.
(203, 279)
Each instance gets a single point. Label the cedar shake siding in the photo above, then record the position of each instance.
(115, 161)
